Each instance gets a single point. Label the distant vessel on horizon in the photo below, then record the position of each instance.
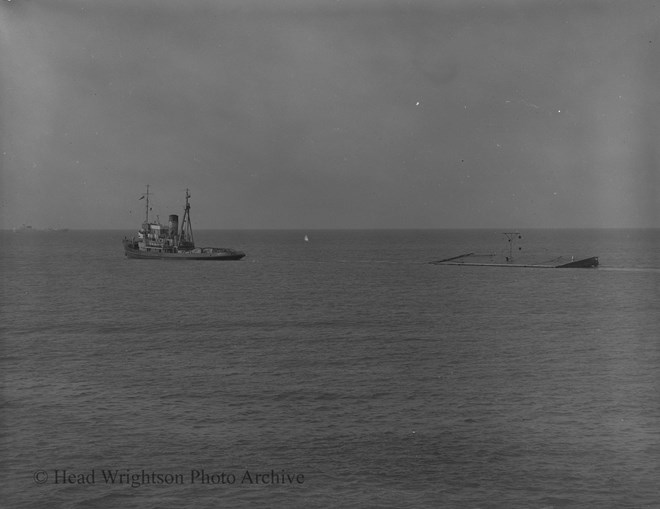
(166, 242)
(29, 228)
(23, 228)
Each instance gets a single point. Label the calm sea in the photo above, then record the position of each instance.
(344, 371)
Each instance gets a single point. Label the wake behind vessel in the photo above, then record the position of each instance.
(167, 242)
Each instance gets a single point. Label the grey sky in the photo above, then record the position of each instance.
(331, 114)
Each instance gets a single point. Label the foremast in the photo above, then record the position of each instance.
(186, 239)
(146, 195)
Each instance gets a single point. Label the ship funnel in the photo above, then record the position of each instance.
(173, 225)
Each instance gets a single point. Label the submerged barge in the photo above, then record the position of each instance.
(466, 259)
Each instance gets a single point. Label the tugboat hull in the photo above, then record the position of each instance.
(217, 254)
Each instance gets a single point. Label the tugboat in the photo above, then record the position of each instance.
(156, 241)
